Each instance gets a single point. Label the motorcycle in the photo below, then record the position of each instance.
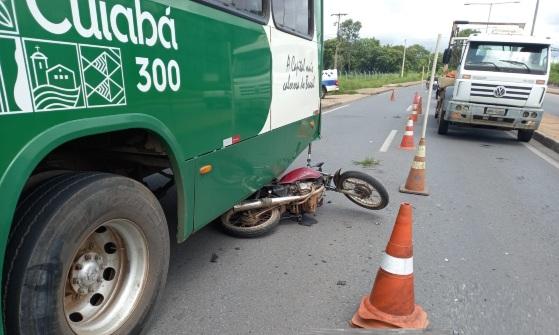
(300, 191)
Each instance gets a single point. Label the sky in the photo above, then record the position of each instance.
(392, 21)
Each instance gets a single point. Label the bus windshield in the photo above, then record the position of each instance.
(507, 57)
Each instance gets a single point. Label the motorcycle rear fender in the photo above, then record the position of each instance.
(303, 173)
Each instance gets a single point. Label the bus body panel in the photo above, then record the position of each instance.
(210, 84)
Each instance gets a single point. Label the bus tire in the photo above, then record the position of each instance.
(525, 135)
(88, 254)
(443, 124)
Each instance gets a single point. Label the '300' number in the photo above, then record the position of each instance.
(159, 75)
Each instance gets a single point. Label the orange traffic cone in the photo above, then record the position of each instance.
(415, 184)
(407, 139)
(414, 115)
(393, 96)
(416, 98)
(391, 303)
(420, 105)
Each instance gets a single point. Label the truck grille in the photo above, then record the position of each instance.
(512, 92)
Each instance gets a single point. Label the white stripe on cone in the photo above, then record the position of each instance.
(418, 165)
(421, 151)
(397, 266)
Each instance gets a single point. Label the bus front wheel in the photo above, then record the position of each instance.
(88, 254)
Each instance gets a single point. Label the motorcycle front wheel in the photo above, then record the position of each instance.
(251, 223)
(363, 190)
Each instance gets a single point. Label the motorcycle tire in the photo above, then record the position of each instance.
(365, 184)
(238, 223)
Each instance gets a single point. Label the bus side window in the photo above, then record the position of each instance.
(294, 16)
(255, 10)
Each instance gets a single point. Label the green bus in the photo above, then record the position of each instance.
(97, 95)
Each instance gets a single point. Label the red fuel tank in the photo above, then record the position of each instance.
(299, 174)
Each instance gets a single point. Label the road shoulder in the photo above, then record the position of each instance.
(548, 133)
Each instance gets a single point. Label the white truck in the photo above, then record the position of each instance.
(500, 83)
(329, 82)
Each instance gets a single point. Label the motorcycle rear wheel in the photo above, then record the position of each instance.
(251, 223)
(368, 192)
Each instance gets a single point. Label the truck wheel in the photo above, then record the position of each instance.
(323, 92)
(525, 135)
(443, 124)
(88, 254)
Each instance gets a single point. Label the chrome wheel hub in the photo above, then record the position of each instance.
(87, 273)
(106, 278)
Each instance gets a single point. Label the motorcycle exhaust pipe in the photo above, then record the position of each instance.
(273, 202)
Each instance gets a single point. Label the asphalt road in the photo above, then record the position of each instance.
(551, 104)
(486, 255)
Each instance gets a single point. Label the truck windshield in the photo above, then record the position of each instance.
(507, 57)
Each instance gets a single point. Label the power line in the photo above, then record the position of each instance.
(339, 15)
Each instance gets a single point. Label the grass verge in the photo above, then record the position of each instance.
(554, 75)
(351, 83)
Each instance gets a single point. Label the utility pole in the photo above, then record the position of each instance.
(339, 15)
(404, 58)
(535, 16)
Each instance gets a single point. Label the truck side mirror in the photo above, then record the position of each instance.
(447, 55)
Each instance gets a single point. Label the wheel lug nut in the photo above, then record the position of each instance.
(97, 258)
(78, 267)
(87, 257)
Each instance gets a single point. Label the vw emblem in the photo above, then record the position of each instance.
(499, 91)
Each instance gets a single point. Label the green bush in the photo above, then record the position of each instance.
(554, 75)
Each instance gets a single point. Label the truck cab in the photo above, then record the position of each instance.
(500, 83)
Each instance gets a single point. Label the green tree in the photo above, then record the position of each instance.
(349, 30)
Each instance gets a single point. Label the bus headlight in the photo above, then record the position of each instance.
(534, 114)
(458, 108)
(526, 114)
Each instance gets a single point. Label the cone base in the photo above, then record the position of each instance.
(369, 317)
(403, 189)
(407, 148)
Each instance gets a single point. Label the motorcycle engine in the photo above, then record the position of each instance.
(311, 204)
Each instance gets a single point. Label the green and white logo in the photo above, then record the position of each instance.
(56, 83)
(14, 84)
(103, 77)
(45, 75)
(8, 23)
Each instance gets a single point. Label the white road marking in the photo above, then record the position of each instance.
(335, 109)
(542, 155)
(538, 153)
(388, 141)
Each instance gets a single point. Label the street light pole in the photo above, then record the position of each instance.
(489, 18)
(535, 16)
(490, 4)
(404, 58)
